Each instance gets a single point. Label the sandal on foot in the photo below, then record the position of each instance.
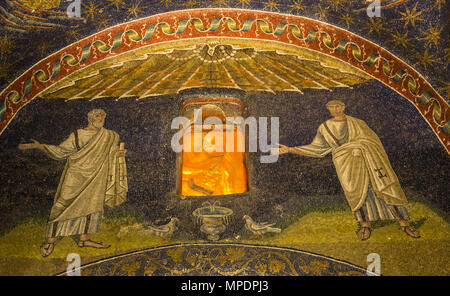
(92, 244)
(411, 231)
(46, 249)
(364, 233)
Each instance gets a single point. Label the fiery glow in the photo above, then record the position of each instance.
(213, 173)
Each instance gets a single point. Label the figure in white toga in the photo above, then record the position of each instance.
(370, 184)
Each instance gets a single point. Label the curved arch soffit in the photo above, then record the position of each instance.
(298, 31)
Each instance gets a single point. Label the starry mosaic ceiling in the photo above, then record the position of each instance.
(416, 31)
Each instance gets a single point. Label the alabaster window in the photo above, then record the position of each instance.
(213, 161)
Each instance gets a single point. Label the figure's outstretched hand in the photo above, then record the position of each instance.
(34, 145)
(282, 150)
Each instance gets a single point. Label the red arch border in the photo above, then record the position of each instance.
(295, 30)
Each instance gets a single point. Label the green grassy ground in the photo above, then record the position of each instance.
(334, 234)
(329, 232)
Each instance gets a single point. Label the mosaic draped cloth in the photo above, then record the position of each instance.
(360, 160)
(91, 178)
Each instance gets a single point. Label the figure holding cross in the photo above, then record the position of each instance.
(370, 185)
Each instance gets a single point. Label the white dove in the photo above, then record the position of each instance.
(258, 229)
(164, 231)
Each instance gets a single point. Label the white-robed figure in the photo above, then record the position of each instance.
(371, 186)
(94, 176)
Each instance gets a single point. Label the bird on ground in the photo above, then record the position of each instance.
(258, 229)
(165, 231)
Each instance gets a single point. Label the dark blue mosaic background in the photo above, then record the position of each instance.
(416, 31)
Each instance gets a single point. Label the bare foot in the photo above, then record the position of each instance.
(92, 244)
(47, 248)
(411, 231)
(364, 233)
(408, 229)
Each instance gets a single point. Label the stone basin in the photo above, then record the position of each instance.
(213, 219)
